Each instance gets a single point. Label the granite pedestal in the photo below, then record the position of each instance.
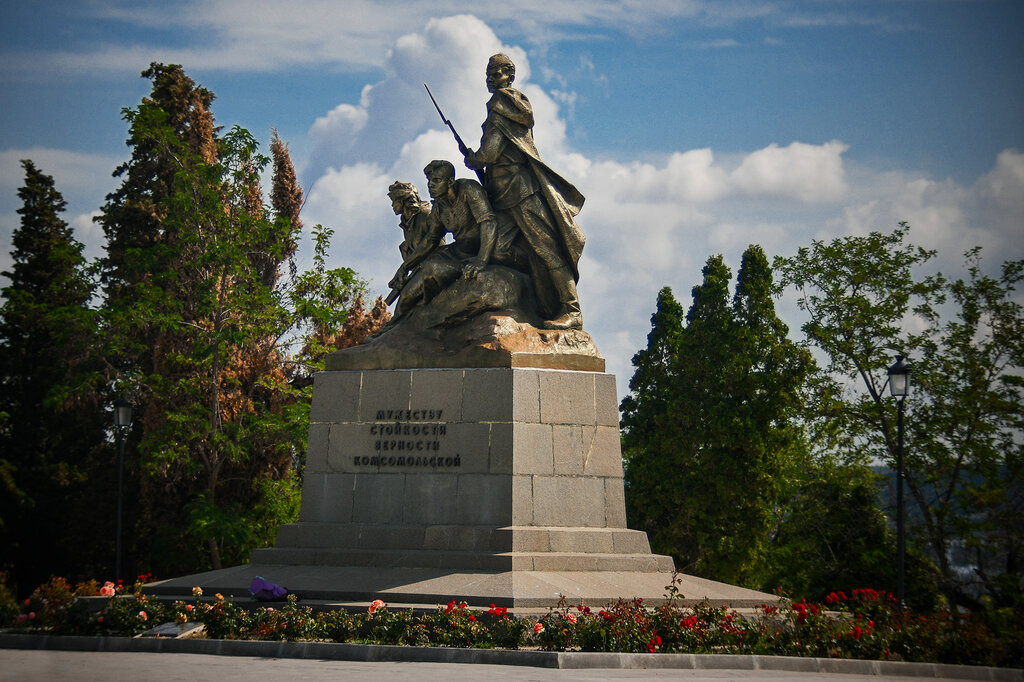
(494, 485)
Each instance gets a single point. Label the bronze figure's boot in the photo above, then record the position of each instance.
(565, 288)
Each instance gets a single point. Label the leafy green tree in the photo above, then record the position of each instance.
(963, 444)
(53, 424)
(857, 293)
(965, 461)
(141, 248)
(210, 320)
(833, 535)
(708, 430)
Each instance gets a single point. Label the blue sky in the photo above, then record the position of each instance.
(694, 127)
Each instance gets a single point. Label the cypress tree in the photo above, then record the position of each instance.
(708, 436)
(52, 426)
(649, 439)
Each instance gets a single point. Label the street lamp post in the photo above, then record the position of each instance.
(899, 386)
(122, 420)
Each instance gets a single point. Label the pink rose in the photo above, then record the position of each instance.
(31, 615)
(377, 604)
(22, 617)
(143, 615)
(571, 618)
(107, 590)
(538, 628)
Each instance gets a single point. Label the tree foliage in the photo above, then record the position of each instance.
(864, 297)
(203, 291)
(965, 460)
(707, 428)
(51, 422)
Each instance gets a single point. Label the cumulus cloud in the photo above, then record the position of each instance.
(450, 55)
(1004, 184)
(943, 214)
(269, 35)
(648, 223)
(804, 171)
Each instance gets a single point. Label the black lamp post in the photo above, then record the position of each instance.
(122, 420)
(899, 386)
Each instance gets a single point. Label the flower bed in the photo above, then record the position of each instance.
(867, 624)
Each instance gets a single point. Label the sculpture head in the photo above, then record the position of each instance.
(440, 178)
(404, 197)
(501, 72)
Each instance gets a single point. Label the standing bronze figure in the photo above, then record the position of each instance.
(525, 190)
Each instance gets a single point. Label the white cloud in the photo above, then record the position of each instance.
(807, 172)
(450, 55)
(648, 224)
(269, 35)
(688, 177)
(1004, 184)
(943, 214)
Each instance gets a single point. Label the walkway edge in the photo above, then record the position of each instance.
(538, 659)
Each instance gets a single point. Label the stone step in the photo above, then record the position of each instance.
(464, 538)
(476, 561)
(427, 587)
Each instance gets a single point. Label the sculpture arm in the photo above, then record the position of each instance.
(483, 214)
(435, 234)
(491, 145)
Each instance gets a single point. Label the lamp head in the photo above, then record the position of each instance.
(122, 412)
(899, 378)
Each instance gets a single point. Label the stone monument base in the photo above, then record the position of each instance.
(489, 485)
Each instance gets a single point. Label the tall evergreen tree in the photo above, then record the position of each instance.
(709, 490)
(53, 424)
(172, 131)
(133, 216)
(650, 446)
(195, 283)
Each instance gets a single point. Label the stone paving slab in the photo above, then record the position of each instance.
(328, 651)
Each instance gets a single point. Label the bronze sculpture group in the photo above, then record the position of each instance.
(514, 232)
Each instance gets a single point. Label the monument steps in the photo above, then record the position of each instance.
(496, 561)
(464, 538)
(354, 587)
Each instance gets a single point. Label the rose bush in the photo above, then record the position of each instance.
(866, 624)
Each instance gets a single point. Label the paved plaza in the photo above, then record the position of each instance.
(40, 666)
